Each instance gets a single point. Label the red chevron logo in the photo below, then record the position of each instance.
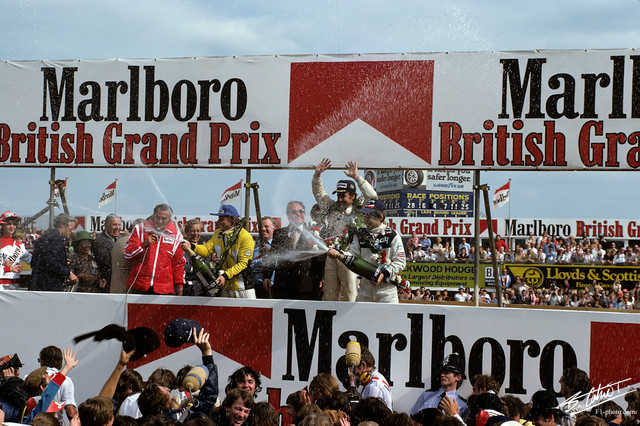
(239, 333)
(394, 97)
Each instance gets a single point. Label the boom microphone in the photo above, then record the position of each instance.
(352, 354)
(196, 377)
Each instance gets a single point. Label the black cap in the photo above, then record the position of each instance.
(180, 331)
(454, 363)
(147, 340)
(372, 206)
(143, 339)
(487, 401)
(543, 403)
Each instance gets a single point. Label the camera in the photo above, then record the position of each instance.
(14, 362)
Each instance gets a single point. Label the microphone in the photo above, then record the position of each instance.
(196, 377)
(352, 354)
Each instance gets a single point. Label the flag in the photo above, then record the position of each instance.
(56, 189)
(108, 195)
(501, 196)
(231, 194)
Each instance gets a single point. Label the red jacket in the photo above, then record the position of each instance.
(160, 265)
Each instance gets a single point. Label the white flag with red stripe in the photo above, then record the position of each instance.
(230, 195)
(501, 196)
(56, 189)
(108, 195)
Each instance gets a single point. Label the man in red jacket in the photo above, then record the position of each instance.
(158, 260)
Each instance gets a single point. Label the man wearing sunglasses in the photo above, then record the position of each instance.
(290, 256)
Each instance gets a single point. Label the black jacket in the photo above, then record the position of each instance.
(49, 262)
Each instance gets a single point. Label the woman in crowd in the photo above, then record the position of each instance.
(12, 252)
(84, 266)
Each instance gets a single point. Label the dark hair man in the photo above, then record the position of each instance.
(334, 218)
(378, 244)
(245, 378)
(451, 378)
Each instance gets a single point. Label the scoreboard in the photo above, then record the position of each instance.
(424, 203)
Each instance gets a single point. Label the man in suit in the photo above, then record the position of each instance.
(49, 264)
(290, 256)
(103, 245)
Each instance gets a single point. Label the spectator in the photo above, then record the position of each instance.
(425, 243)
(97, 411)
(419, 254)
(50, 393)
(51, 357)
(245, 378)
(451, 377)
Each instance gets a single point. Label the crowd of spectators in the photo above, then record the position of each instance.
(556, 295)
(542, 249)
(47, 396)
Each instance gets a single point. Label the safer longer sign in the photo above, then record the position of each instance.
(549, 110)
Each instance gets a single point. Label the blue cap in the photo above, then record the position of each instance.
(180, 331)
(227, 210)
(372, 206)
(345, 186)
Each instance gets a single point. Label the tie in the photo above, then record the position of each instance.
(294, 237)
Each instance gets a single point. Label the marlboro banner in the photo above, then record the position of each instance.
(537, 110)
(289, 342)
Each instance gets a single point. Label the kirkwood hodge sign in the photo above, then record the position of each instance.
(542, 110)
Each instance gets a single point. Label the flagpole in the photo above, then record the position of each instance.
(509, 222)
(115, 197)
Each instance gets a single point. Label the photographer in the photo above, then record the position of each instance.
(375, 385)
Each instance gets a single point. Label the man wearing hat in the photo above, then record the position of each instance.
(157, 258)
(335, 217)
(544, 409)
(451, 377)
(12, 252)
(233, 249)
(377, 244)
(84, 264)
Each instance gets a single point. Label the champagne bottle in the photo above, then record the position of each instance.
(199, 265)
(361, 267)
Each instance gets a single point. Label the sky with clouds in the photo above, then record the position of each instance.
(66, 29)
